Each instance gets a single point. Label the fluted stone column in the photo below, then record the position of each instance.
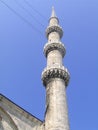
(55, 78)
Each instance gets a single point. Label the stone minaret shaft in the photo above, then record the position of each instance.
(55, 78)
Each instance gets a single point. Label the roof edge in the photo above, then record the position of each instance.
(4, 98)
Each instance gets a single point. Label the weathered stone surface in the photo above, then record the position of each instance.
(15, 118)
(56, 112)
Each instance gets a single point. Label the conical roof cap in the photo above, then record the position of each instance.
(53, 13)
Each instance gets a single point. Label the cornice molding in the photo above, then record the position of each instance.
(54, 46)
(54, 28)
(50, 73)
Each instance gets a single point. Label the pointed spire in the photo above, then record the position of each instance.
(53, 13)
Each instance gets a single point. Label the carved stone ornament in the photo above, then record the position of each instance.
(0, 118)
(62, 73)
(55, 28)
(54, 46)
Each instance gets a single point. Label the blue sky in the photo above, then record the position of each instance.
(22, 37)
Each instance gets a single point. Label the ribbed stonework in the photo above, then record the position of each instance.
(55, 78)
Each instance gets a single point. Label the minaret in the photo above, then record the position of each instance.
(55, 78)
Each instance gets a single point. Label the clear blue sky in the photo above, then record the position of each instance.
(22, 37)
